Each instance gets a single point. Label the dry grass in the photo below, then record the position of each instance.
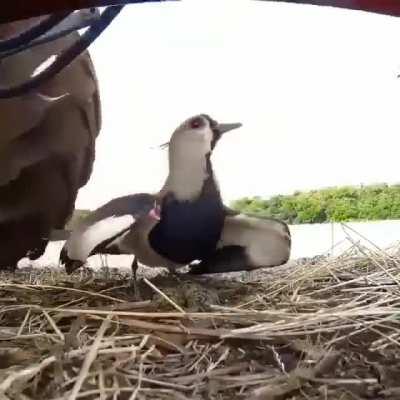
(324, 331)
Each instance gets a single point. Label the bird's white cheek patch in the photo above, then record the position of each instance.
(83, 242)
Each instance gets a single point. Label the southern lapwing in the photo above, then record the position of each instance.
(47, 144)
(186, 221)
(179, 224)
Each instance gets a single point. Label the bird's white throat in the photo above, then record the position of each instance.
(187, 172)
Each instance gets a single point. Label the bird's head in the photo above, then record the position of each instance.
(190, 149)
(198, 135)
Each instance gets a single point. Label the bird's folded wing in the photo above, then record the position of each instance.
(63, 119)
(104, 225)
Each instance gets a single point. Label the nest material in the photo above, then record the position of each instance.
(329, 330)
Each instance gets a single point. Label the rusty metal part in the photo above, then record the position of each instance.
(18, 9)
(388, 7)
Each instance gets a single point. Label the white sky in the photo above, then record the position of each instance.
(315, 89)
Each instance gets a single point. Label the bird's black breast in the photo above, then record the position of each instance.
(188, 230)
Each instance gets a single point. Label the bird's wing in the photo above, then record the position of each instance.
(104, 225)
(136, 205)
(63, 117)
(47, 142)
(247, 243)
(60, 122)
(265, 236)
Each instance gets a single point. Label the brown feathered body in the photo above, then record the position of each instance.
(47, 145)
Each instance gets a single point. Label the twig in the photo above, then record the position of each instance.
(162, 294)
(90, 357)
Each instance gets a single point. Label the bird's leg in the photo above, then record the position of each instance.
(134, 283)
(104, 266)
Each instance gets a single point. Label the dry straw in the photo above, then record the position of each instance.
(325, 330)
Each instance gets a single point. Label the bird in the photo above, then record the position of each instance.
(185, 221)
(189, 206)
(47, 144)
(105, 231)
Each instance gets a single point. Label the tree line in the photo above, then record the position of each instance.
(336, 204)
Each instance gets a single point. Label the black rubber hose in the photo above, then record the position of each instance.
(32, 33)
(66, 57)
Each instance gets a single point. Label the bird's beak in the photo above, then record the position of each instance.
(222, 128)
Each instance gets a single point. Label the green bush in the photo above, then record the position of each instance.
(338, 204)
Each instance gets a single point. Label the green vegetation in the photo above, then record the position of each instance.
(350, 203)
(338, 204)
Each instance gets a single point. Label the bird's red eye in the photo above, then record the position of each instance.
(196, 123)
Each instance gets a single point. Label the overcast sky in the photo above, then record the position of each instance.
(315, 89)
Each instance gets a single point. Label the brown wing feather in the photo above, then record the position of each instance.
(47, 148)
